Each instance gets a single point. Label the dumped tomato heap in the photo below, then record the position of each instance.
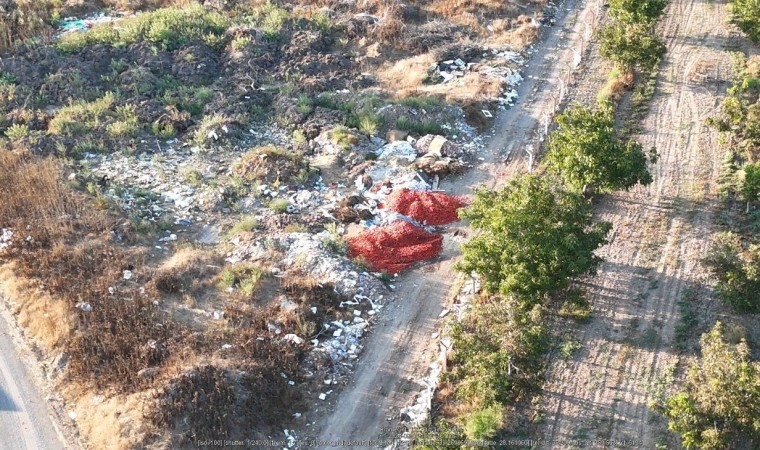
(433, 208)
(395, 247)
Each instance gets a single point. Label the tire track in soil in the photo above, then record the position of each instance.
(659, 234)
(399, 349)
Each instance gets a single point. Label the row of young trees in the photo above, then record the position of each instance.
(533, 239)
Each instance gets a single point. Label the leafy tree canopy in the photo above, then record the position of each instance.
(532, 237)
(637, 11)
(630, 44)
(737, 272)
(585, 150)
(719, 408)
(747, 16)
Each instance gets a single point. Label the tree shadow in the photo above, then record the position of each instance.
(6, 404)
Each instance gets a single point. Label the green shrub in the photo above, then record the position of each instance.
(272, 19)
(126, 123)
(7, 78)
(484, 423)
(498, 353)
(585, 151)
(245, 277)
(163, 131)
(420, 127)
(279, 205)
(736, 270)
(424, 102)
(342, 137)
(190, 99)
(322, 22)
(210, 123)
(246, 224)
(17, 132)
(170, 28)
(81, 117)
(747, 15)
(630, 45)
(644, 12)
(718, 407)
(303, 104)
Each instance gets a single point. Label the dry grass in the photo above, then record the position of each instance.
(23, 20)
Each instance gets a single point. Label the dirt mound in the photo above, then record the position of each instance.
(271, 164)
(396, 247)
(433, 208)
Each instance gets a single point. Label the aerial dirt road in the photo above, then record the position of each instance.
(25, 422)
(659, 235)
(400, 348)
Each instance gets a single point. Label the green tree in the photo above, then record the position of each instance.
(720, 404)
(747, 16)
(630, 45)
(533, 237)
(637, 11)
(737, 272)
(585, 150)
(750, 185)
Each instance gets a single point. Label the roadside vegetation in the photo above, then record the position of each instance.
(536, 238)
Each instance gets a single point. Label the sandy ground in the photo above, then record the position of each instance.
(25, 422)
(600, 397)
(400, 348)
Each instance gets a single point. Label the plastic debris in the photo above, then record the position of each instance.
(128, 274)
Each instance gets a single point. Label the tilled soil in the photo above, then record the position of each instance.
(599, 398)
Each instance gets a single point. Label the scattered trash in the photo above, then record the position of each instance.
(128, 274)
(6, 237)
(293, 338)
(322, 396)
(84, 306)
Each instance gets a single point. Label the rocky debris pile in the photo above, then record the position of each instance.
(170, 180)
(491, 65)
(396, 247)
(431, 208)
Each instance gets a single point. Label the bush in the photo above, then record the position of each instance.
(81, 117)
(718, 409)
(484, 423)
(498, 352)
(737, 272)
(279, 205)
(420, 127)
(169, 28)
(17, 132)
(740, 115)
(747, 16)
